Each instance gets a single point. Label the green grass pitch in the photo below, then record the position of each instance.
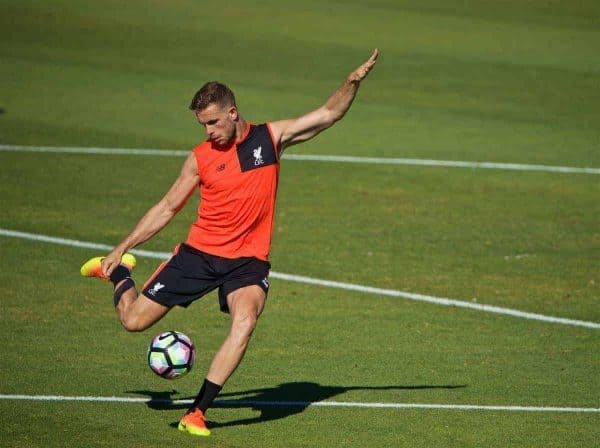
(508, 81)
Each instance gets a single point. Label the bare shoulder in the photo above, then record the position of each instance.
(190, 161)
(190, 166)
(277, 129)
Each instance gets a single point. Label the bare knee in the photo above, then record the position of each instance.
(133, 323)
(245, 305)
(243, 328)
(140, 313)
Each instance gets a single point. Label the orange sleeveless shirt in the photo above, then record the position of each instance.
(238, 187)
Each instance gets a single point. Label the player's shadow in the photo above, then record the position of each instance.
(274, 403)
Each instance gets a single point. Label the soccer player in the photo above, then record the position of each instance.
(236, 170)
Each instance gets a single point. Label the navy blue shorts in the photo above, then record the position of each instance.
(191, 274)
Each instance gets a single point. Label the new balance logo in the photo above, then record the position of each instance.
(258, 160)
(220, 168)
(157, 287)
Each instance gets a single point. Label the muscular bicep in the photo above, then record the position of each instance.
(298, 130)
(183, 186)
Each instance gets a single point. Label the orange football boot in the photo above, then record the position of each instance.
(194, 423)
(93, 267)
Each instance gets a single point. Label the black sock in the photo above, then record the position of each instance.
(119, 274)
(125, 286)
(206, 396)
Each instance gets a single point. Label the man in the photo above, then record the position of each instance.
(227, 248)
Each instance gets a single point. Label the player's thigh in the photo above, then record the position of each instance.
(144, 312)
(248, 301)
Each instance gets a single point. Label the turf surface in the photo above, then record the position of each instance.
(481, 81)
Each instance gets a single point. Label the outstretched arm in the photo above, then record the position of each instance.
(298, 130)
(158, 216)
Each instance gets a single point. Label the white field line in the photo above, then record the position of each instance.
(286, 404)
(95, 151)
(313, 158)
(327, 283)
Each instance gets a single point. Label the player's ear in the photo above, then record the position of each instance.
(233, 113)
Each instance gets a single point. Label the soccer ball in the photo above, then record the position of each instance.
(171, 355)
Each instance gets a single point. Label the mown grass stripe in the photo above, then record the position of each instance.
(316, 158)
(326, 283)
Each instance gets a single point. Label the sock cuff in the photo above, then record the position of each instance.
(119, 274)
(213, 385)
(125, 286)
(206, 396)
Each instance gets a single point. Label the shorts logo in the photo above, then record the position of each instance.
(265, 282)
(157, 287)
(258, 160)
